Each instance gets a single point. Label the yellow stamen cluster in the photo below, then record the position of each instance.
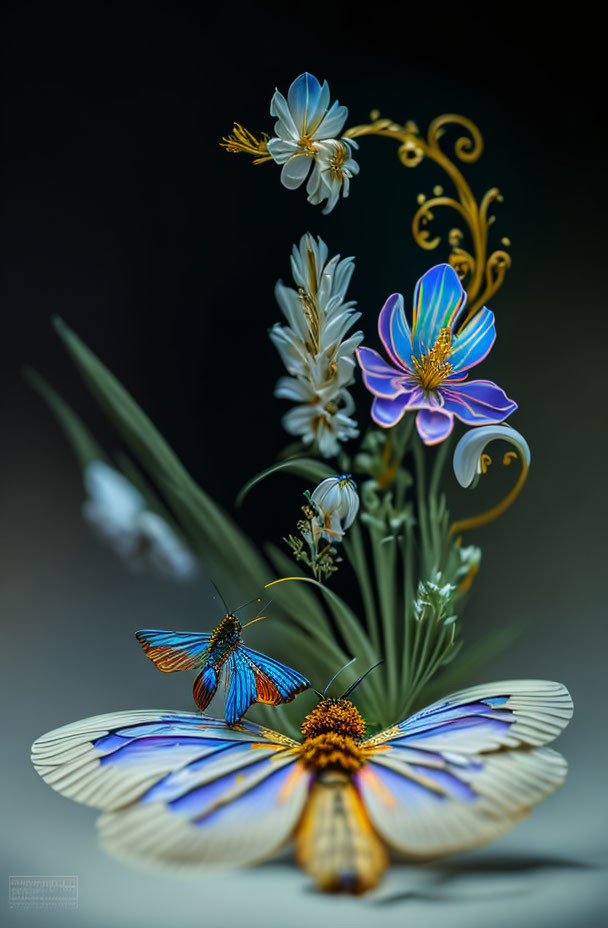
(242, 140)
(336, 165)
(433, 367)
(331, 751)
(336, 716)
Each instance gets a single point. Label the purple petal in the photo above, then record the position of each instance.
(378, 376)
(438, 298)
(388, 412)
(395, 332)
(473, 343)
(478, 402)
(434, 427)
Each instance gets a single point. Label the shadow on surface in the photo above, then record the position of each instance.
(452, 870)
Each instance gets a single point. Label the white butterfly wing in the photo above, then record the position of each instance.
(177, 788)
(466, 769)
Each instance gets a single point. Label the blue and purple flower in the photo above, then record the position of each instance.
(431, 361)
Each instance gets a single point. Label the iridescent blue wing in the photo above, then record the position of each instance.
(254, 677)
(178, 789)
(276, 683)
(466, 769)
(172, 651)
(241, 686)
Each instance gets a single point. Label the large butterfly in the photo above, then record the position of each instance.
(177, 789)
(249, 676)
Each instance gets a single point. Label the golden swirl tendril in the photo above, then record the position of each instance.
(464, 525)
(482, 273)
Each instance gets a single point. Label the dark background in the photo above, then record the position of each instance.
(122, 214)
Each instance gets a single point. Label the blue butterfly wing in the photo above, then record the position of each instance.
(178, 789)
(285, 682)
(242, 690)
(172, 651)
(466, 769)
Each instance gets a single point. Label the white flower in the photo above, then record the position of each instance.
(306, 132)
(332, 173)
(315, 347)
(337, 500)
(117, 511)
(467, 460)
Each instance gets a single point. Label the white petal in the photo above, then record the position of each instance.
(279, 108)
(332, 122)
(295, 171)
(471, 446)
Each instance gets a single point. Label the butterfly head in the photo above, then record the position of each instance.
(227, 632)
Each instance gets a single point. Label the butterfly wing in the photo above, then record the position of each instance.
(172, 651)
(466, 769)
(177, 789)
(275, 683)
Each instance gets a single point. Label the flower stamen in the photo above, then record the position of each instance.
(433, 367)
(242, 140)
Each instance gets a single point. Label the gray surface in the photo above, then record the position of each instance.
(73, 610)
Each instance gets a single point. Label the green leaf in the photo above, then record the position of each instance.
(84, 445)
(309, 468)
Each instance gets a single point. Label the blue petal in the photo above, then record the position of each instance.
(395, 331)
(305, 98)
(478, 402)
(379, 377)
(388, 412)
(473, 343)
(438, 298)
(434, 426)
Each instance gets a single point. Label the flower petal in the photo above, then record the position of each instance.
(332, 123)
(471, 446)
(395, 331)
(378, 376)
(473, 343)
(434, 427)
(280, 151)
(478, 402)
(438, 298)
(388, 412)
(295, 171)
(307, 100)
(285, 127)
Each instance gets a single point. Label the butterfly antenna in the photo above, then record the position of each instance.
(336, 674)
(257, 599)
(219, 595)
(258, 617)
(361, 679)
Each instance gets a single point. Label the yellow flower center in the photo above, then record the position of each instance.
(336, 165)
(433, 367)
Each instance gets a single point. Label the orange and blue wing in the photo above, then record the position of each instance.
(178, 789)
(172, 651)
(276, 683)
(467, 769)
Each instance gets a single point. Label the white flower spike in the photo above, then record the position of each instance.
(316, 348)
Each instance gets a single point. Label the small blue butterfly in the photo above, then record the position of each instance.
(249, 676)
